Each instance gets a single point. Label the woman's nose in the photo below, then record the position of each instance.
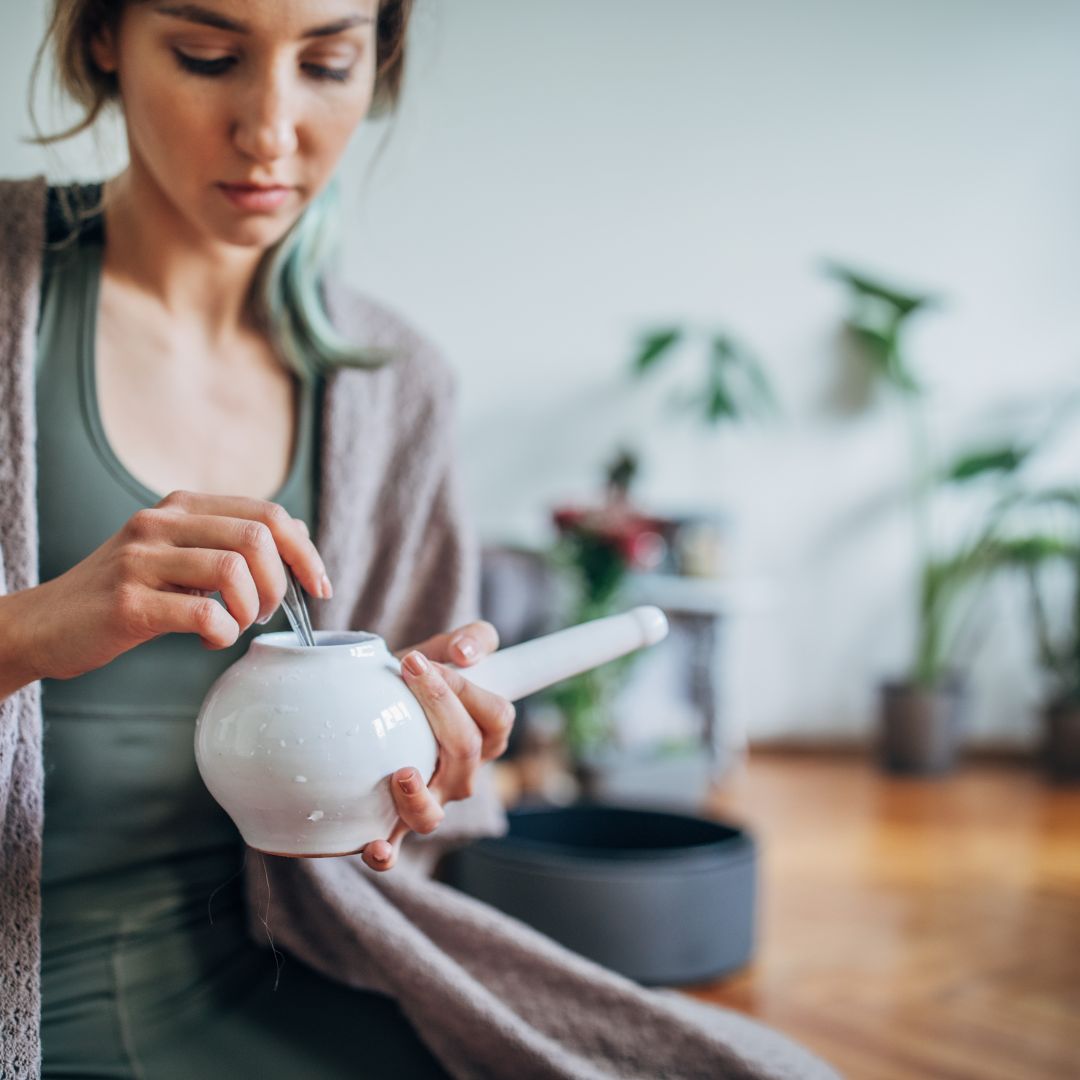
(265, 126)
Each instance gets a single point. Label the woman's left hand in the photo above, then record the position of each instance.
(471, 726)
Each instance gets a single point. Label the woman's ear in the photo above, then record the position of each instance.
(103, 50)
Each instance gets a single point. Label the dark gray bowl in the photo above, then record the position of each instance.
(661, 898)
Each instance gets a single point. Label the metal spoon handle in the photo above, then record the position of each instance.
(296, 609)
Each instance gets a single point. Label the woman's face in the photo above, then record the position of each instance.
(237, 111)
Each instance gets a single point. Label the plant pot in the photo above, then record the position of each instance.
(920, 727)
(661, 898)
(1061, 741)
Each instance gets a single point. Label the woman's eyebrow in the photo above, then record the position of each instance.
(337, 27)
(194, 13)
(206, 17)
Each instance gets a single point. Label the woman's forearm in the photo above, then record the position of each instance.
(16, 666)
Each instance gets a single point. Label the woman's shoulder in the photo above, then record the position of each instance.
(22, 209)
(415, 361)
(26, 202)
(41, 223)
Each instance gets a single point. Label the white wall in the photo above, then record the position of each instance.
(564, 172)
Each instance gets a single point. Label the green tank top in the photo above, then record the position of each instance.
(121, 785)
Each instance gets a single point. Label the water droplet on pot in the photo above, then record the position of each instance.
(315, 815)
(299, 779)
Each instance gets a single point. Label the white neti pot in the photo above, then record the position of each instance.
(297, 743)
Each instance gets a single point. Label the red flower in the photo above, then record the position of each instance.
(637, 537)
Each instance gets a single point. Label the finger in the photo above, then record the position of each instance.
(203, 571)
(148, 613)
(419, 811)
(492, 714)
(379, 854)
(417, 808)
(463, 646)
(397, 835)
(291, 535)
(459, 739)
(251, 539)
(317, 582)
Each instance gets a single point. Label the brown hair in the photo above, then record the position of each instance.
(75, 23)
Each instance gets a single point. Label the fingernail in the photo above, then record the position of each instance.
(265, 619)
(409, 784)
(465, 645)
(416, 664)
(327, 588)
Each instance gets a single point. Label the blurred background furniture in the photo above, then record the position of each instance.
(672, 739)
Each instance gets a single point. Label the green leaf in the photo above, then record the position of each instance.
(1025, 551)
(722, 349)
(900, 375)
(879, 344)
(737, 384)
(720, 404)
(760, 387)
(882, 350)
(1066, 497)
(654, 346)
(944, 580)
(1006, 458)
(864, 285)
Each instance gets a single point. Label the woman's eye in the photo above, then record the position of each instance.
(200, 66)
(321, 71)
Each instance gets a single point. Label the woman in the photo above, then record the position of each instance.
(176, 331)
(236, 116)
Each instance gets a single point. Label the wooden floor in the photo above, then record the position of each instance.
(914, 928)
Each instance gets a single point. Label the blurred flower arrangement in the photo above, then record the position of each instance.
(597, 548)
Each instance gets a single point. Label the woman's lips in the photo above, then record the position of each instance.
(255, 198)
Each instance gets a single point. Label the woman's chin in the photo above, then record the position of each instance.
(259, 232)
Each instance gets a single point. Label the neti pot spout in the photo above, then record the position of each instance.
(520, 670)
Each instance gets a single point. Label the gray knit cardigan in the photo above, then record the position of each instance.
(488, 995)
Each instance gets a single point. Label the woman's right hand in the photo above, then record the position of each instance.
(156, 576)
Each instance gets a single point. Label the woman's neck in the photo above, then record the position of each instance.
(152, 248)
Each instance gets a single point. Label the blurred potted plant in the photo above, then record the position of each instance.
(922, 712)
(1039, 554)
(733, 387)
(1059, 656)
